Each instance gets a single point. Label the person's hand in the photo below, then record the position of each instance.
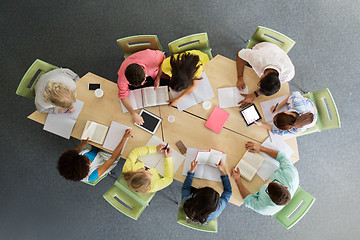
(173, 102)
(156, 84)
(160, 148)
(240, 84)
(272, 109)
(221, 167)
(253, 147)
(71, 109)
(84, 142)
(168, 152)
(249, 98)
(127, 133)
(235, 174)
(259, 123)
(137, 118)
(194, 164)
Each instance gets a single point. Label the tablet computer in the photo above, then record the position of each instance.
(250, 114)
(151, 121)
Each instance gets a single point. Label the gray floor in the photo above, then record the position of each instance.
(36, 203)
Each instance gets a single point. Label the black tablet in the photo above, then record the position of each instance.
(151, 121)
(250, 114)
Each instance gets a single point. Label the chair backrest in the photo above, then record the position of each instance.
(263, 34)
(93, 183)
(295, 209)
(26, 86)
(132, 44)
(199, 41)
(182, 219)
(328, 116)
(126, 201)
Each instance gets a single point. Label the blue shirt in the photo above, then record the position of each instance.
(299, 104)
(287, 175)
(224, 198)
(91, 156)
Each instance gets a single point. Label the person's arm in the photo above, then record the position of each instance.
(240, 63)
(133, 156)
(190, 89)
(264, 125)
(249, 98)
(71, 74)
(115, 154)
(256, 147)
(236, 176)
(169, 172)
(137, 118)
(283, 103)
(186, 187)
(81, 145)
(157, 78)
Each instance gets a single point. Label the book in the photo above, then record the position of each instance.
(203, 171)
(202, 92)
(210, 158)
(217, 119)
(249, 164)
(62, 124)
(266, 108)
(96, 132)
(157, 160)
(114, 136)
(230, 96)
(147, 97)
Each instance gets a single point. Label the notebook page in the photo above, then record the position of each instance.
(114, 136)
(229, 97)
(266, 108)
(99, 133)
(149, 96)
(186, 102)
(162, 95)
(246, 170)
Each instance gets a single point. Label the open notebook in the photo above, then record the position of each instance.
(96, 132)
(157, 160)
(114, 136)
(249, 164)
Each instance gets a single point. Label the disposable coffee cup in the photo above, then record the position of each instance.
(99, 93)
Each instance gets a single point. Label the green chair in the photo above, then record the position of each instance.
(263, 34)
(132, 44)
(93, 183)
(295, 209)
(197, 41)
(26, 86)
(130, 203)
(210, 226)
(328, 116)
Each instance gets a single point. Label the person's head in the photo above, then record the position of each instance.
(135, 74)
(138, 181)
(278, 193)
(59, 95)
(270, 83)
(184, 67)
(201, 204)
(73, 166)
(288, 120)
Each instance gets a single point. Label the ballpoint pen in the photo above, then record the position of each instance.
(275, 107)
(166, 146)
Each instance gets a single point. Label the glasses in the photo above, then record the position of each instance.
(275, 180)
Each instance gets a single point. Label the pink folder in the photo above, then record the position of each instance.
(217, 119)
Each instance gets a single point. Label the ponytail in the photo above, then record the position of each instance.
(285, 121)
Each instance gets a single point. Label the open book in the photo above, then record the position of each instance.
(203, 170)
(147, 97)
(96, 132)
(114, 136)
(210, 158)
(249, 164)
(202, 92)
(230, 96)
(157, 160)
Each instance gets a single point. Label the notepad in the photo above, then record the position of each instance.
(217, 119)
(266, 108)
(210, 158)
(157, 160)
(114, 136)
(96, 132)
(230, 96)
(249, 164)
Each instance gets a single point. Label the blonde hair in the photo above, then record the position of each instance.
(59, 95)
(138, 181)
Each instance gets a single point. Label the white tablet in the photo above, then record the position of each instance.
(250, 114)
(151, 121)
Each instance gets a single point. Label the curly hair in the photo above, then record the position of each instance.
(59, 95)
(135, 74)
(201, 204)
(279, 194)
(73, 166)
(184, 67)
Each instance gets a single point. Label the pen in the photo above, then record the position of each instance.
(166, 146)
(67, 110)
(275, 107)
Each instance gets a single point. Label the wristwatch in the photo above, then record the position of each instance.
(256, 94)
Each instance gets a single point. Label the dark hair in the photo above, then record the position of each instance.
(135, 74)
(184, 67)
(270, 84)
(286, 121)
(73, 166)
(278, 193)
(201, 204)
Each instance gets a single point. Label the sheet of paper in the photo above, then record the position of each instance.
(62, 124)
(157, 160)
(114, 136)
(202, 92)
(229, 97)
(202, 171)
(135, 99)
(266, 108)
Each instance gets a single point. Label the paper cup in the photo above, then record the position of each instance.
(99, 93)
(171, 118)
(206, 105)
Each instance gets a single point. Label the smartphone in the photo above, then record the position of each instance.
(94, 86)
(180, 145)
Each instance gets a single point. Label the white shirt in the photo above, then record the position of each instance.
(267, 55)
